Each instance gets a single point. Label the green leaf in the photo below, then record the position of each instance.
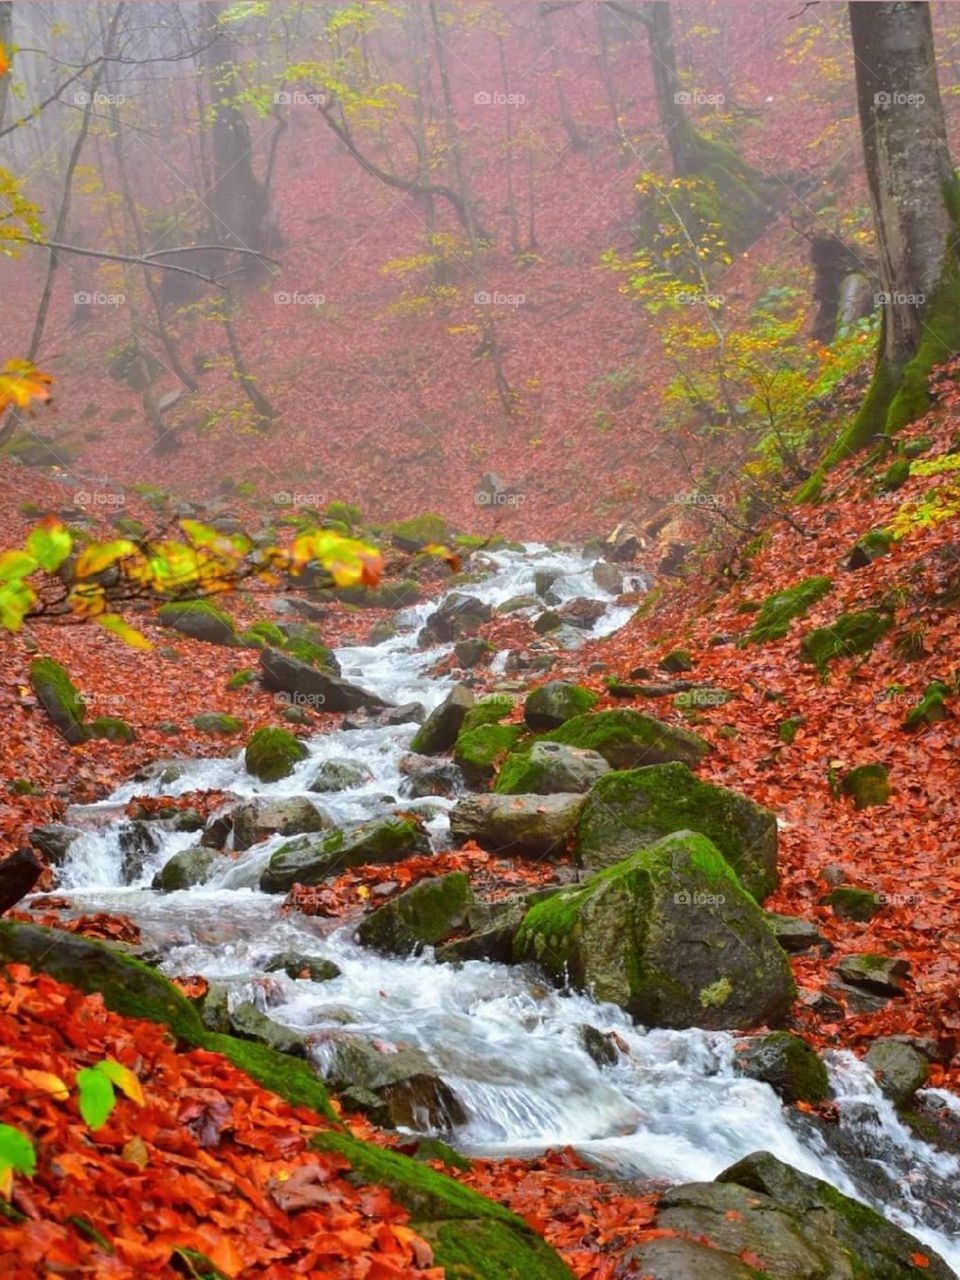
(16, 599)
(123, 1078)
(97, 1098)
(15, 565)
(16, 1151)
(129, 635)
(50, 543)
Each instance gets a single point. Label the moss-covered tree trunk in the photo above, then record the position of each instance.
(913, 195)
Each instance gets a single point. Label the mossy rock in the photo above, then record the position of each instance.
(478, 752)
(870, 547)
(788, 1064)
(779, 609)
(669, 935)
(629, 810)
(60, 699)
(548, 768)
(272, 754)
(423, 915)
(556, 702)
(442, 726)
(851, 903)
(260, 634)
(112, 728)
(311, 858)
(200, 620)
(185, 869)
(676, 661)
(627, 739)
(895, 476)
(931, 708)
(295, 965)
(847, 636)
(216, 722)
(419, 532)
(900, 1069)
(867, 785)
(489, 710)
(241, 678)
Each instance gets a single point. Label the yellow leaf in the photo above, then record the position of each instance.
(6, 1180)
(20, 382)
(4, 61)
(123, 1078)
(46, 1082)
(113, 623)
(135, 1150)
(101, 555)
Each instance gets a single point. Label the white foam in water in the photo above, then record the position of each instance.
(671, 1108)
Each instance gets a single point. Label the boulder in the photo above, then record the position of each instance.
(437, 779)
(138, 841)
(478, 752)
(60, 699)
(548, 768)
(404, 1080)
(582, 612)
(877, 974)
(440, 729)
(185, 869)
(338, 775)
(265, 816)
(310, 859)
(307, 686)
(669, 935)
(676, 1258)
(473, 651)
(54, 841)
(459, 616)
(628, 810)
(272, 754)
(900, 1069)
(793, 933)
(200, 620)
(846, 636)
(788, 1064)
(554, 703)
(216, 722)
(607, 577)
(247, 1022)
(296, 965)
(866, 785)
(534, 826)
(425, 914)
(627, 739)
(493, 928)
(850, 903)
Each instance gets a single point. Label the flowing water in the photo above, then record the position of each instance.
(672, 1107)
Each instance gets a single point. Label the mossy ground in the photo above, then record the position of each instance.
(779, 609)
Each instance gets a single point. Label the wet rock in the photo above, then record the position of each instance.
(405, 1081)
(582, 612)
(440, 729)
(54, 840)
(549, 768)
(382, 631)
(310, 859)
(795, 934)
(900, 1069)
(338, 775)
(525, 660)
(788, 1064)
(600, 1047)
(217, 831)
(850, 903)
(424, 914)
(543, 580)
(627, 739)
(163, 772)
(876, 974)
(307, 686)
(516, 603)
(607, 577)
(247, 1022)
(478, 752)
(493, 927)
(265, 816)
(296, 965)
(138, 843)
(628, 810)
(216, 722)
(546, 622)
(534, 826)
(555, 702)
(681, 1259)
(458, 617)
(215, 1009)
(185, 869)
(439, 779)
(272, 754)
(669, 935)
(472, 652)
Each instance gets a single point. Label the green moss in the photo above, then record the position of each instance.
(317, 655)
(779, 609)
(556, 702)
(112, 728)
(261, 634)
(895, 476)
(677, 660)
(216, 722)
(478, 751)
(347, 513)
(272, 754)
(199, 619)
(626, 739)
(242, 677)
(489, 710)
(846, 636)
(424, 914)
(931, 708)
(787, 729)
(867, 785)
(419, 532)
(60, 699)
(851, 903)
(876, 543)
(716, 994)
(789, 1065)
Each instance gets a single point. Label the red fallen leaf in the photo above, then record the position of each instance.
(305, 1188)
(919, 1259)
(752, 1260)
(733, 1215)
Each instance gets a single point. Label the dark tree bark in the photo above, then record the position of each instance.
(18, 874)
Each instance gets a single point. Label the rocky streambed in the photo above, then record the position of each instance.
(601, 1010)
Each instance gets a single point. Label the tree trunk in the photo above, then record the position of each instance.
(913, 193)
